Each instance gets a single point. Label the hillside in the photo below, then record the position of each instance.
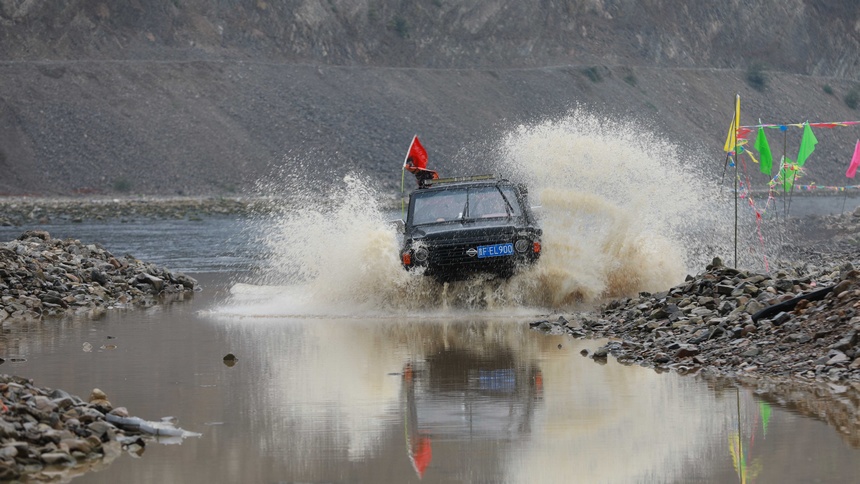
(194, 97)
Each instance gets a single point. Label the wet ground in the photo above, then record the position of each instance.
(445, 397)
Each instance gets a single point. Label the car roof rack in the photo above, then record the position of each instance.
(442, 181)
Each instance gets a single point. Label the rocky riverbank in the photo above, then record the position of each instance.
(49, 435)
(733, 322)
(800, 321)
(43, 277)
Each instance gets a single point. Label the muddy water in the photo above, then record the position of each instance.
(466, 398)
(352, 370)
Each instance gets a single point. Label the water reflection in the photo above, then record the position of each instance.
(457, 399)
(755, 415)
(490, 401)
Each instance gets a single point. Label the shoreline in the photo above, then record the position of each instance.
(734, 323)
(18, 211)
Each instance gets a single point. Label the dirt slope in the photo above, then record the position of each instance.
(198, 97)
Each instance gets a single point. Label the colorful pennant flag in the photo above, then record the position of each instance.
(855, 162)
(766, 164)
(787, 174)
(807, 145)
(731, 139)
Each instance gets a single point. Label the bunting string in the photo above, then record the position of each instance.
(784, 127)
(788, 172)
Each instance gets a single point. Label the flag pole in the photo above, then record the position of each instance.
(402, 202)
(403, 176)
(736, 122)
(784, 150)
(793, 179)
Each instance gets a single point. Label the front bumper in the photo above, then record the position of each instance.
(450, 260)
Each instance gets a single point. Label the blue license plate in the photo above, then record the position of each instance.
(495, 250)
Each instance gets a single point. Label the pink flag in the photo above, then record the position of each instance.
(855, 162)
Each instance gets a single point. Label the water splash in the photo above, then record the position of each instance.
(618, 209)
(622, 212)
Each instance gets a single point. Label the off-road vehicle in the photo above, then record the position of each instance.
(457, 227)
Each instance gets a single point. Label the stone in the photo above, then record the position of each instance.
(57, 458)
(751, 352)
(100, 429)
(8, 472)
(846, 342)
(8, 430)
(119, 412)
(79, 445)
(97, 394)
(8, 452)
(662, 358)
(687, 351)
(837, 359)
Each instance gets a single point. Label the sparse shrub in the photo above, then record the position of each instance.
(852, 99)
(756, 77)
(122, 185)
(401, 26)
(827, 89)
(631, 79)
(593, 74)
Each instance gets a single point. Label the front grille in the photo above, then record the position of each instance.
(455, 254)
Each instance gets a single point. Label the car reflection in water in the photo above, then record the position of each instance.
(457, 394)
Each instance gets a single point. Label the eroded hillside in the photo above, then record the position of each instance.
(192, 96)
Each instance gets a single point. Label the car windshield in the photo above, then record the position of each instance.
(464, 203)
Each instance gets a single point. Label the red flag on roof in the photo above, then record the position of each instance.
(416, 156)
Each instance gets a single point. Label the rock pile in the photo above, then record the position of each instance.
(44, 431)
(717, 321)
(42, 277)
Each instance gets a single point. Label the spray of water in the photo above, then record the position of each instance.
(617, 206)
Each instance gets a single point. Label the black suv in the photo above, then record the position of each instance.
(457, 227)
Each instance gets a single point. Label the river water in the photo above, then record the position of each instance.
(350, 369)
(447, 395)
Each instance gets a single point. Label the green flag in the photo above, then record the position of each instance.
(787, 174)
(766, 162)
(807, 145)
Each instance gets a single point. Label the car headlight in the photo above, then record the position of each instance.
(521, 245)
(421, 254)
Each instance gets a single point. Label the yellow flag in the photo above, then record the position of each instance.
(731, 139)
